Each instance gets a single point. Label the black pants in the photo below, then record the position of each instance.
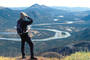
(26, 38)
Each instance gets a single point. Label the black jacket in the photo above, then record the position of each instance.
(22, 25)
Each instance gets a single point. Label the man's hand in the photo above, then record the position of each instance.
(27, 16)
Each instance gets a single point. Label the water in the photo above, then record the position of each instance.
(58, 34)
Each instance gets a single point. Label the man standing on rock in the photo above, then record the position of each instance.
(22, 30)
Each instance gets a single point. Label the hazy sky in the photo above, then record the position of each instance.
(24, 3)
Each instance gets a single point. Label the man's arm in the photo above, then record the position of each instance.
(29, 22)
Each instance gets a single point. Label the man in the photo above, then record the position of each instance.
(22, 30)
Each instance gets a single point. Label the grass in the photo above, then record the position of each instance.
(76, 56)
(6, 58)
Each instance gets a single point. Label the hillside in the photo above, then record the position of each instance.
(8, 17)
(76, 56)
(87, 18)
(39, 13)
(79, 41)
(72, 9)
(45, 14)
(62, 46)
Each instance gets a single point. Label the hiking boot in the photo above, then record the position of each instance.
(33, 58)
(23, 58)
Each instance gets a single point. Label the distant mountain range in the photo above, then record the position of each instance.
(8, 17)
(72, 9)
(39, 13)
(44, 14)
(18, 8)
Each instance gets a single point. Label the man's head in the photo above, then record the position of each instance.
(23, 15)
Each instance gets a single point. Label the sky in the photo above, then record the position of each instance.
(27, 3)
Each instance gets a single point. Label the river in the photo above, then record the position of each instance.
(58, 34)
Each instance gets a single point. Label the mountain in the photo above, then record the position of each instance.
(2, 7)
(39, 13)
(44, 14)
(72, 9)
(86, 18)
(8, 17)
(18, 8)
(82, 14)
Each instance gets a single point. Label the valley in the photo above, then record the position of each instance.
(53, 30)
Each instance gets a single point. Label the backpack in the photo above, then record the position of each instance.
(19, 29)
